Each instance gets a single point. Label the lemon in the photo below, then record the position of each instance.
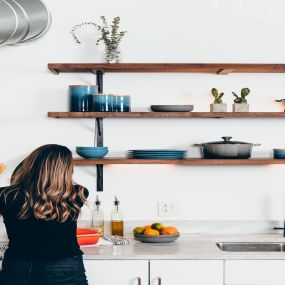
(138, 230)
(157, 226)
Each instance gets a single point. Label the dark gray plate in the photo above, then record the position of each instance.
(172, 108)
(156, 239)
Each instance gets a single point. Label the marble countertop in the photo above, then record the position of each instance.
(188, 246)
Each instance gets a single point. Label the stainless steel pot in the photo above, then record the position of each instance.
(8, 21)
(38, 15)
(226, 149)
(23, 26)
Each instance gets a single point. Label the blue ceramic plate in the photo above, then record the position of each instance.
(157, 157)
(156, 150)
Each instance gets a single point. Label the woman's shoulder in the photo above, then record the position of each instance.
(3, 189)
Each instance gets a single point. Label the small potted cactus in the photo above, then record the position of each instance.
(240, 102)
(218, 105)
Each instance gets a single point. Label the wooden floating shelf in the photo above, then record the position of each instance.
(78, 115)
(187, 161)
(216, 68)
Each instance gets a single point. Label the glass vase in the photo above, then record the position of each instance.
(112, 55)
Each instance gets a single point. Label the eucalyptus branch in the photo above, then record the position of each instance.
(110, 36)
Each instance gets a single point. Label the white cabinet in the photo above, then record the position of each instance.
(258, 272)
(119, 272)
(188, 272)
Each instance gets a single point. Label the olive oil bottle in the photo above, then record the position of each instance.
(98, 217)
(117, 222)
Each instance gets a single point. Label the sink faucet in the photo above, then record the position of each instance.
(279, 228)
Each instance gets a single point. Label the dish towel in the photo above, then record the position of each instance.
(118, 240)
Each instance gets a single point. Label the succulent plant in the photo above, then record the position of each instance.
(217, 96)
(241, 99)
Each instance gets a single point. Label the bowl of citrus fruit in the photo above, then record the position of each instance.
(156, 233)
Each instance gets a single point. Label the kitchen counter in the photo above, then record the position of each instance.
(188, 246)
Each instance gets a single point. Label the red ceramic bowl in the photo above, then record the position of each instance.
(87, 236)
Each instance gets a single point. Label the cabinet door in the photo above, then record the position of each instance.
(255, 272)
(186, 272)
(119, 272)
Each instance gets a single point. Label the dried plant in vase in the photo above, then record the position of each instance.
(218, 105)
(240, 102)
(110, 36)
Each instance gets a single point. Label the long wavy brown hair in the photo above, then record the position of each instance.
(45, 177)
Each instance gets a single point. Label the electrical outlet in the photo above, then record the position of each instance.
(168, 209)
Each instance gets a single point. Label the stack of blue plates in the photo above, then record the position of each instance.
(157, 153)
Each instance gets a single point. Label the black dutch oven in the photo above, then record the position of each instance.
(226, 149)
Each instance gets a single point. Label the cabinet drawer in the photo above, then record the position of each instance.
(186, 272)
(255, 272)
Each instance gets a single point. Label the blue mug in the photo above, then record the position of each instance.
(80, 97)
(279, 153)
(122, 103)
(103, 103)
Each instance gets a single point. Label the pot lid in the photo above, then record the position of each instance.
(226, 140)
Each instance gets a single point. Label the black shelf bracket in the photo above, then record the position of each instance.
(99, 131)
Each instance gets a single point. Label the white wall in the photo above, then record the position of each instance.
(158, 31)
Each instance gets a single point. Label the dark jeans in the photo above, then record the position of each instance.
(60, 272)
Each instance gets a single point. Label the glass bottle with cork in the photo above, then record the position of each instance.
(117, 222)
(98, 217)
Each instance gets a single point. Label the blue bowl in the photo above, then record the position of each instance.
(279, 153)
(95, 152)
(91, 147)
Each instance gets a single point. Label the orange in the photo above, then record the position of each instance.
(147, 227)
(169, 231)
(2, 168)
(151, 232)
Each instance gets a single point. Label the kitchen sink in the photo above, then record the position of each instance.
(252, 246)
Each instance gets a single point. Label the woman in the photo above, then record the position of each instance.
(40, 211)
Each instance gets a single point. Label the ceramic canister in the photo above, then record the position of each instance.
(103, 103)
(122, 103)
(80, 97)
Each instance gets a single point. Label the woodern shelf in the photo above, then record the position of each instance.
(187, 161)
(78, 115)
(212, 68)
(216, 68)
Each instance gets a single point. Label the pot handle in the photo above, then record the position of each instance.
(227, 139)
(256, 144)
(197, 144)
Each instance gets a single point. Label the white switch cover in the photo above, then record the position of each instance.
(168, 209)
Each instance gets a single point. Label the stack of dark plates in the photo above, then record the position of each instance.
(157, 154)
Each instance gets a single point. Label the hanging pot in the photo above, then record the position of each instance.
(38, 15)
(226, 149)
(22, 27)
(8, 21)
